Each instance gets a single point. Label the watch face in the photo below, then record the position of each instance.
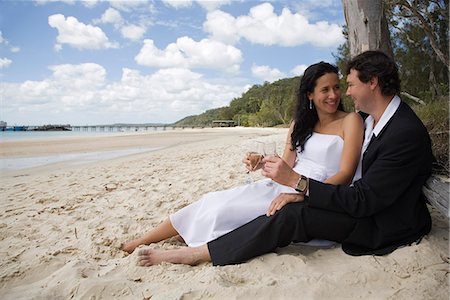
(302, 185)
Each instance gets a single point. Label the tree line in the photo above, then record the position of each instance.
(265, 105)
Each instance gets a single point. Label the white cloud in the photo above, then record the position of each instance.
(128, 6)
(128, 31)
(174, 92)
(212, 5)
(112, 16)
(79, 76)
(77, 34)
(151, 56)
(166, 95)
(187, 53)
(90, 3)
(266, 73)
(299, 70)
(34, 92)
(206, 4)
(70, 87)
(222, 27)
(132, 32)
(178, 3)
(263, 26)
(5, 62)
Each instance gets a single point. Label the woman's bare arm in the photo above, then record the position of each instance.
(289, 155)
(353, 134)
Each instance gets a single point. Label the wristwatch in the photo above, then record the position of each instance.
(302, 185)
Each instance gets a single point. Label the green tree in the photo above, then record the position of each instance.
(420, 35)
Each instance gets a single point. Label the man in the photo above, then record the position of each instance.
(382, 211)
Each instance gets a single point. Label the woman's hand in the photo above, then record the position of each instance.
(281, 200)
(251, 158)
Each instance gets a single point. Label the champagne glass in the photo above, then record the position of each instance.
(255, 157)
(270, 149)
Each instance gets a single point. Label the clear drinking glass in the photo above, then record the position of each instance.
(256, 155)
(270, 149)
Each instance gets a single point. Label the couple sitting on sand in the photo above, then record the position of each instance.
(350, 178)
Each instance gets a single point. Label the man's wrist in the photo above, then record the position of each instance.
(294, 180)
(302, 185)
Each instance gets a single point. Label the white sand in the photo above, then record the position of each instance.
(61, 226)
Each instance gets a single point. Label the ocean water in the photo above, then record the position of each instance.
(26, 135)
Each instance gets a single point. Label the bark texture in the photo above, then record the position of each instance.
(367, 26)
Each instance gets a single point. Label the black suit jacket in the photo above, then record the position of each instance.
(387, 201)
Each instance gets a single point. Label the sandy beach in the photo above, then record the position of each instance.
(62, 224)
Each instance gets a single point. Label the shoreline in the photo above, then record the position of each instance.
(16, 155)
(67, 144)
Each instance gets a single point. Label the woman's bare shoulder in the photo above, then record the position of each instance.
(353, 121)
(353, 117)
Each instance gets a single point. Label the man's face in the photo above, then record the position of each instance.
(359, 91)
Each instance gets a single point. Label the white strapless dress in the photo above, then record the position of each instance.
(218, 213)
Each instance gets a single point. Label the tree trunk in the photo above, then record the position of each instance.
(367, 26)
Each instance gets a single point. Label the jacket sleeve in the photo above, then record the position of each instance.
(400, 158)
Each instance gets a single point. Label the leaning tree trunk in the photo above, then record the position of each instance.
(367, 26)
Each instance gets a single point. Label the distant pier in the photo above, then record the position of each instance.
(128, 128)
(114, 127)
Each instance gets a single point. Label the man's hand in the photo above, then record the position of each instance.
(281, 200)
(278, 170)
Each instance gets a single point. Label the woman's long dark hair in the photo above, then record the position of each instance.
(304, 117)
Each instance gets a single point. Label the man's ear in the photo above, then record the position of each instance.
(373, 83)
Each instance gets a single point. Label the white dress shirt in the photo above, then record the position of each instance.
(370, 130)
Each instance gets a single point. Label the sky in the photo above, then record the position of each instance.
(104, 62)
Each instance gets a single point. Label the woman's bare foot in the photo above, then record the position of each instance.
(130, 246)
(133, 244)
(180, 239)
(186, 256)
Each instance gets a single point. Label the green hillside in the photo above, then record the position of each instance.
(269, 104)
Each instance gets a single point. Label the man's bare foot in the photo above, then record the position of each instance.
(186, 256)
(129, 246)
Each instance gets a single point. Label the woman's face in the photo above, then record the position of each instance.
(327, 93)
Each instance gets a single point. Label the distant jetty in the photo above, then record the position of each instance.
(112, 128)
(4, 127)
(51, 128)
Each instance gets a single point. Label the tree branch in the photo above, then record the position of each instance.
(428, 31)
(414, 98)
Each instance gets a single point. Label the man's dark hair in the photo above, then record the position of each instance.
(372, 64)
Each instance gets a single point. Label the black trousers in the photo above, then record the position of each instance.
(295, 222)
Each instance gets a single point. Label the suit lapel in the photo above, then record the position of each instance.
(370, 154)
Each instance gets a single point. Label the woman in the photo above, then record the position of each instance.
(323, 143)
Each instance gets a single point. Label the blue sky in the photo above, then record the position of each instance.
(102, 62)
